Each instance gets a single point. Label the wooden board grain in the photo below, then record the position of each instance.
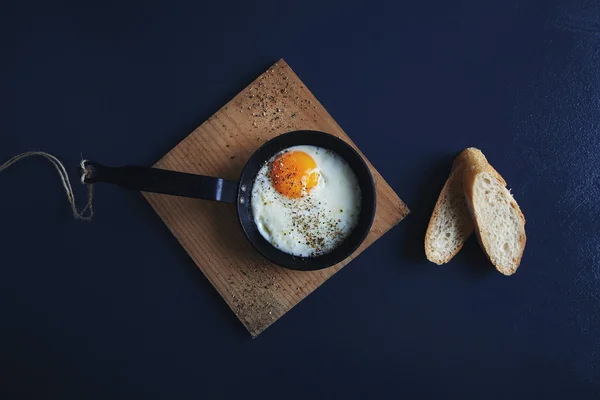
(257, 291)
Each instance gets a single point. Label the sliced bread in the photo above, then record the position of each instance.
(499, 222)
(450, 224)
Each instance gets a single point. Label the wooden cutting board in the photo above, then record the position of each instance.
(257, 291)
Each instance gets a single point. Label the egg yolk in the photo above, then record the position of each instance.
(293, 174)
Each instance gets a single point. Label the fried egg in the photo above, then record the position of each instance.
(305, 200)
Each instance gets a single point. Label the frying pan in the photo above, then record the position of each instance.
(217, 189)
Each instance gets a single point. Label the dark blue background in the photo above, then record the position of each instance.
(116, 309)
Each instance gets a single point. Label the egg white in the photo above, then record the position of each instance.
(316, 223)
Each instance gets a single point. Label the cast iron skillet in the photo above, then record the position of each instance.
(210, 188)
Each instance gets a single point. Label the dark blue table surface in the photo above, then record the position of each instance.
(116, 309)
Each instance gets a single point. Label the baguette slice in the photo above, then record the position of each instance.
(450, 224)
(499, 222)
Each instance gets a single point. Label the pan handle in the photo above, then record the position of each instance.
(157, 180)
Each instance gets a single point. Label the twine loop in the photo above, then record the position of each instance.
(87, 212)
